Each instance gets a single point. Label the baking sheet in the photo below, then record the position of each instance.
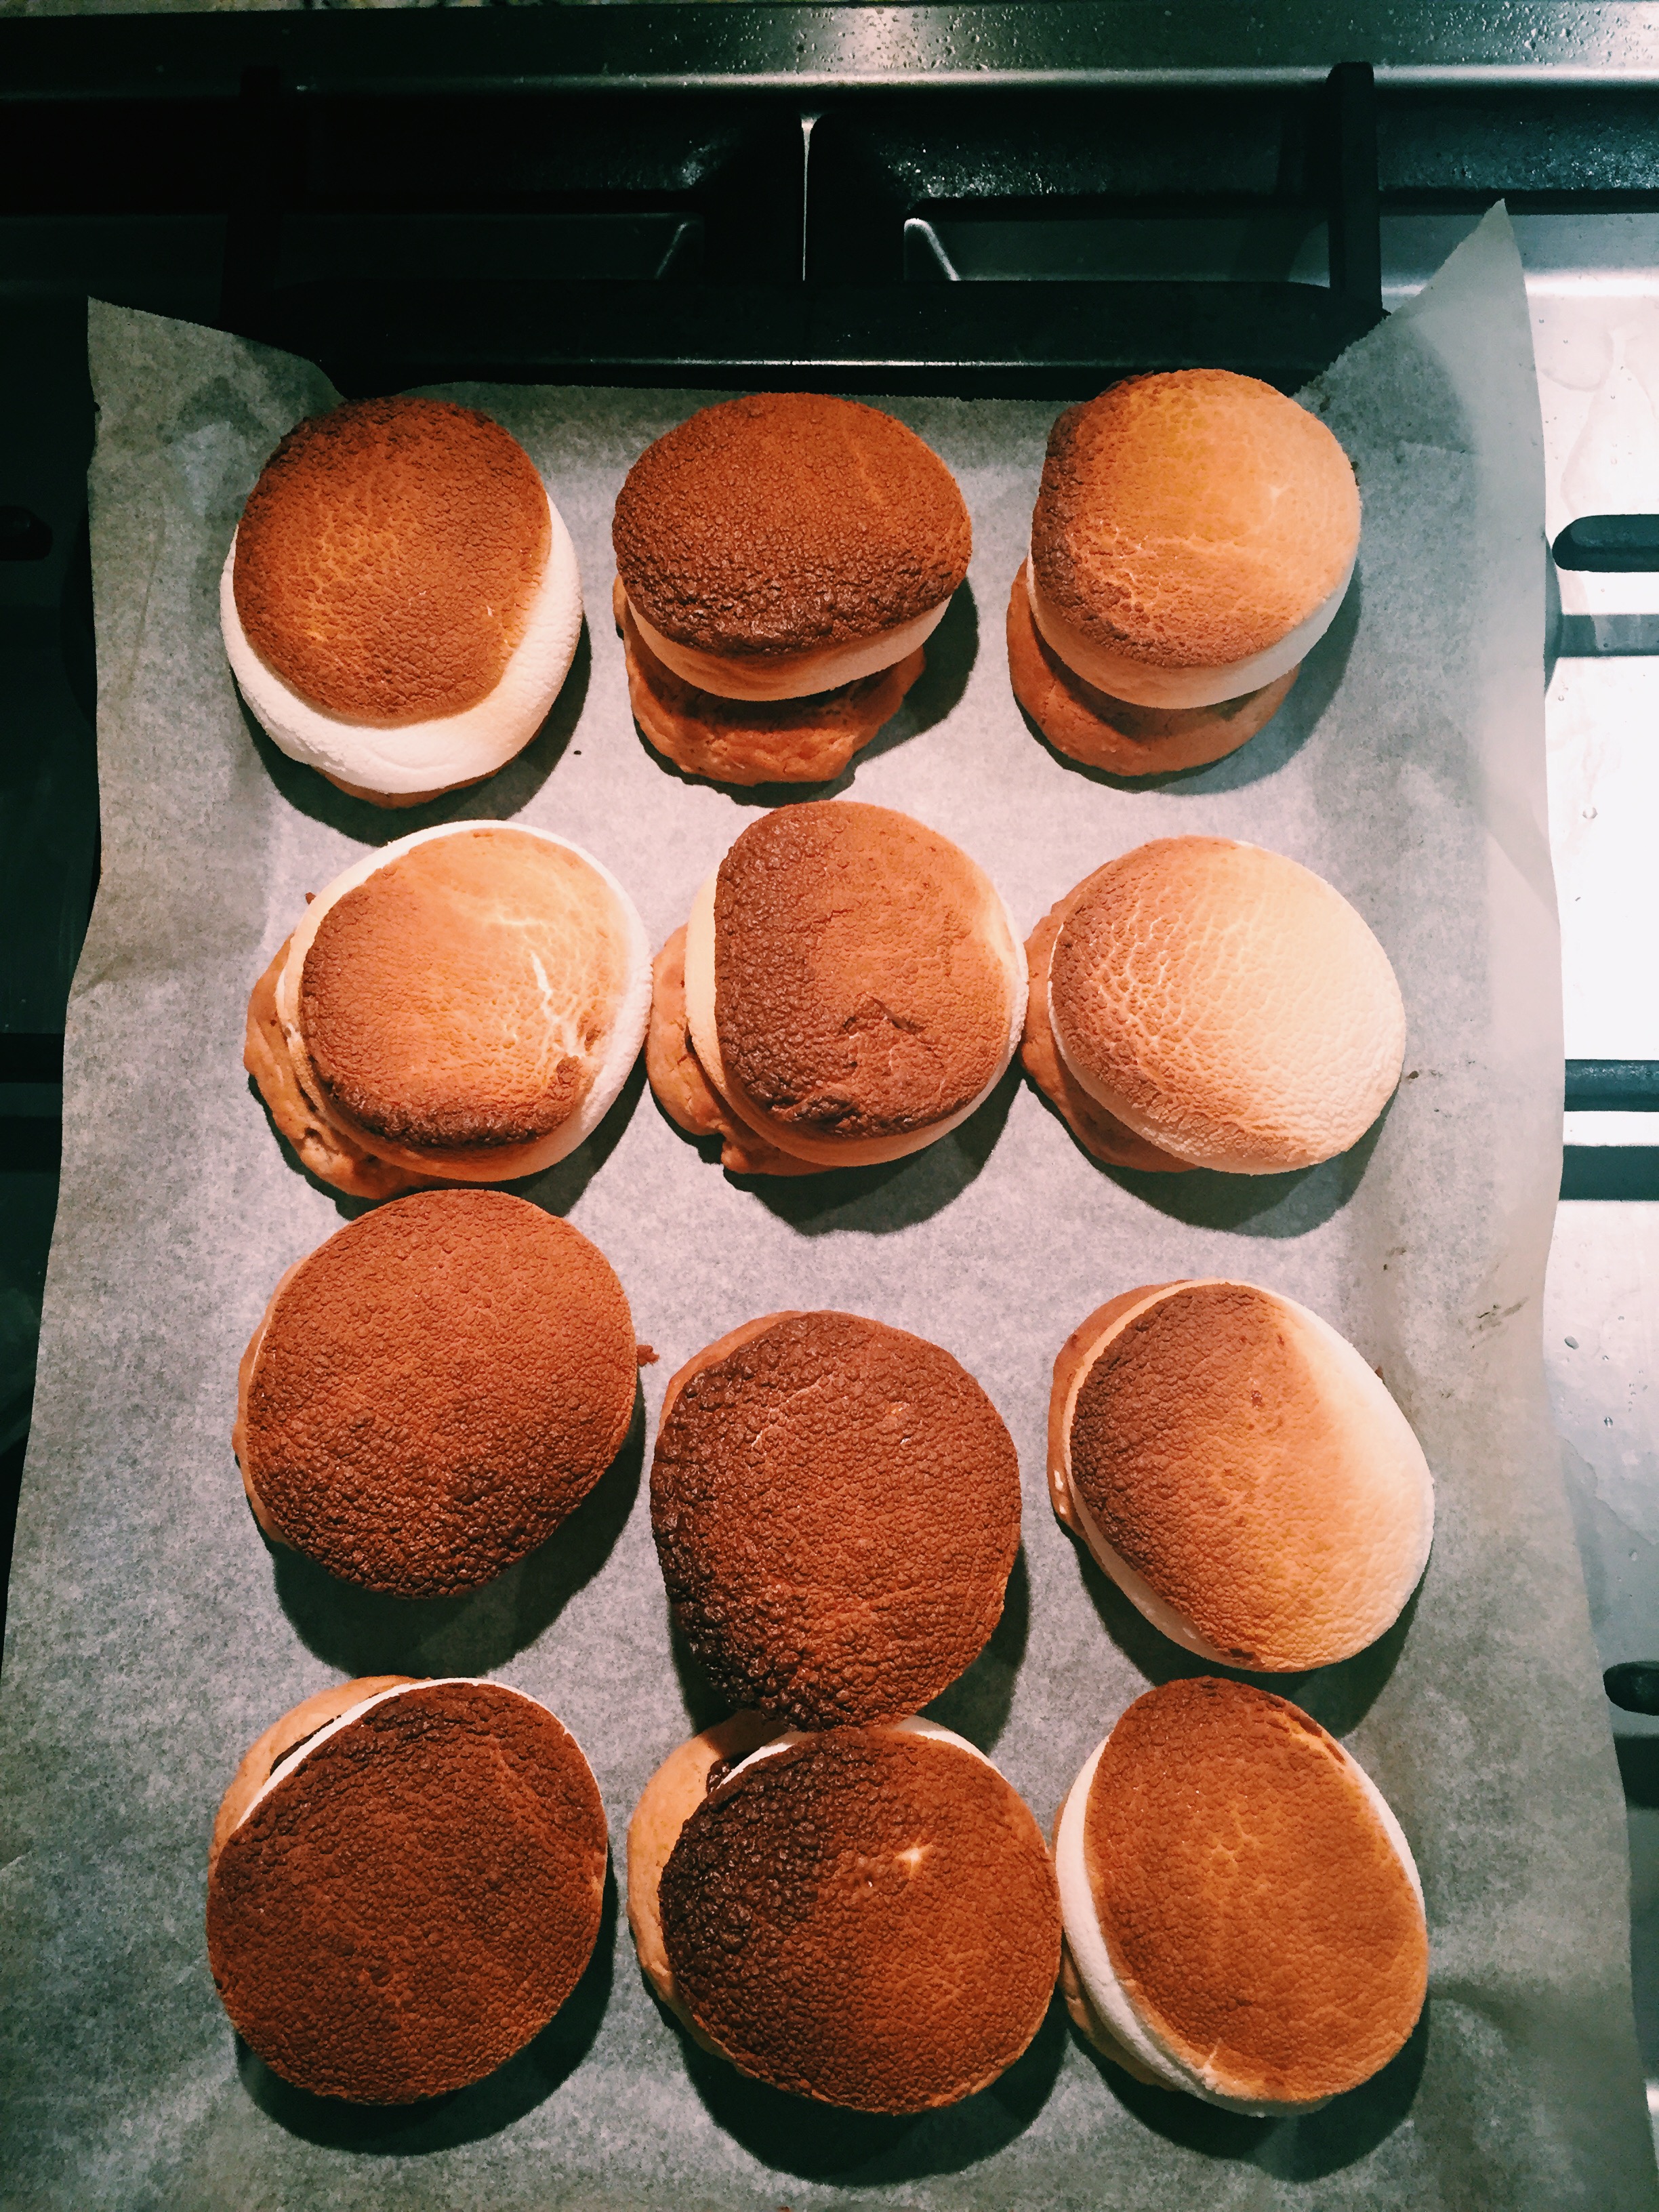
(153, 1633)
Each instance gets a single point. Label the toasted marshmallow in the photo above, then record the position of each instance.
(457, 1920)
(1224, 1005)
(787, 544)
(1274, 1505)
(668, 1802)
(872, 967)
(1194, 537)
(903, 1954)
(241, 1805)
(623, 1027)
(789, 675)
(1273, 1830)
(1144, 684)
(487, 1347)
(782, 1448)
(427, 756)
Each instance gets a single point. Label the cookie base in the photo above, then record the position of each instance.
(1090, 727)
(748, 741)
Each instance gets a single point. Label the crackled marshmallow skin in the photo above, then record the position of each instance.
(900, 1915)
(1194, 537)
(1216, 1002)
(781, 561)
(1244, 1918)
(405, 1885)
(1241, 1474)
(400, 604)
(1099, 1131)
(836, 1505)
(434, 1390)
(849, 990)
(462, 1005)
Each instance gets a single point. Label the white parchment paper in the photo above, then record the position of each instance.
(153, 1633)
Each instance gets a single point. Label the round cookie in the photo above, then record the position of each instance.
(1193, 535)
(848, 990)
(411, 1895)
(836, 1510)
(463, 1005)
(868, 1918)
(1225, 1006)
(1243, 1915)
(434, 1390)
(770, 530)
(401, 603)
(751, 741)
(1241, 1474)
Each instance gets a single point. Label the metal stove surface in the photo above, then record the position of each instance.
(1595, 322)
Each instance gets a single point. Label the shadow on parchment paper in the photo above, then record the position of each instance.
(1255, 1205)
(1339, 1697)
(348, 1207)
(496, 799)
(465, 2115)
(860, 2150)
(896, 1194)
(978, 1703)
(1349, 2128)
(367, 1632)
(1277, 742)
(952, 652)
(704, 1705)
(1306, 2149)
(556, 1189)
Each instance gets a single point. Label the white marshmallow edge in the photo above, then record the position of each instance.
(834, 1152)
(789, 675)
(1091, 1954)
(621, 1048)
(286, 1765)
(429, 756)
(1148, 683)
(930, 1731)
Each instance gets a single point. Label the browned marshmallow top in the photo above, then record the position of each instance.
(836, 1510)
(388, 556)
(436, 1387)
(788, 521)
(1218, 1464)
(416, 1901)
(1192, 518)
(463, 996)
(867, 1918)
(859, 988)
(1254, 1905)
(1228, 1002)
